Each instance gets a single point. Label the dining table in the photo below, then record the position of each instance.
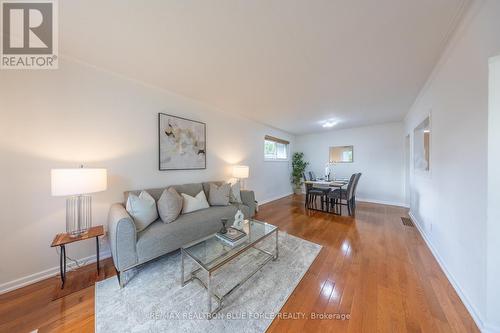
(323, 183)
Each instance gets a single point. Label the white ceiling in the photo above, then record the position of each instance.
(287, 63)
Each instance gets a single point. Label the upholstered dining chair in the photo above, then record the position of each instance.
(313, 193)
(353, 203)
(312, 176)
(335, 197)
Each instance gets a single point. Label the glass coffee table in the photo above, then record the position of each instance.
(210, 254)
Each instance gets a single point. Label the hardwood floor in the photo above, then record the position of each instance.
(372, 269)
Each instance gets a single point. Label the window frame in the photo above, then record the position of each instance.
(277, 142)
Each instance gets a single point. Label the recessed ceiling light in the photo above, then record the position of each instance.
(328, 124)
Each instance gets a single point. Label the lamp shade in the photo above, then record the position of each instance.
(240, 171)
(78, 181)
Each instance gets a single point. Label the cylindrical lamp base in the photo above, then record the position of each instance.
(78, 215)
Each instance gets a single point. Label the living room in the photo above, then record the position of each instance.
(349, 149)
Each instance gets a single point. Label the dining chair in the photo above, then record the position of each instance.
(356, 181)
(313, 193)
(335, 197)
(307, 187)
(312, 176)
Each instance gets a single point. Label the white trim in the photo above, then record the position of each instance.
(383, 202)
(266, 201)
(470, 307)
(380, 202)
(45, 274)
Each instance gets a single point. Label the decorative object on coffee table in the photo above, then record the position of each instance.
(223, 230)
(182, 143)
(238, 220)
(76, 183)
(65, 238)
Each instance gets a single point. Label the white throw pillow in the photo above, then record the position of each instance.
(235, 194)
(192, 204)
(143, 210)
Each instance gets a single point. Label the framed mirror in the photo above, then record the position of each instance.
(341, 154)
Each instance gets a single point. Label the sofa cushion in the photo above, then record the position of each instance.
(189, 189)
(191, 204)
(142, 208)
(160, 238)
(219, 194)
(169, 205)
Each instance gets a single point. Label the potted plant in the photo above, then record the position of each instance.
(298, 168)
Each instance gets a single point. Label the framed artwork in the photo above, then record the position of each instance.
(182, 143)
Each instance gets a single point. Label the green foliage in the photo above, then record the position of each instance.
(298, 168)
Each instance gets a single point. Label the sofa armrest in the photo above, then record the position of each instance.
(248, 198)
(122, 237)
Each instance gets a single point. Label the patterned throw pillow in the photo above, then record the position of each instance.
(191, 204)
(169, 205)
(219, 195)
(143, 210)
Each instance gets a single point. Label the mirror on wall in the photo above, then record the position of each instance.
(341, 154)
(422, 145)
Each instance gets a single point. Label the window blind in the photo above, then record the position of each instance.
(274, 139)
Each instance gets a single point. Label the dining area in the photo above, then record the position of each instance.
(330, 195)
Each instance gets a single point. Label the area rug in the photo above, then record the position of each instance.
(154, 301)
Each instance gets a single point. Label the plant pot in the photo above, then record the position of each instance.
(297, 190)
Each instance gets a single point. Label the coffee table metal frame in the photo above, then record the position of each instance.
(210, 271)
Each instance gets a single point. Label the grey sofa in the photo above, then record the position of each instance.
(130, 248)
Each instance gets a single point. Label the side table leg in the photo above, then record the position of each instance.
(97, 250)
(62, 265)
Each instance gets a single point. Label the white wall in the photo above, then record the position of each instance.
(79, 114)
(450, 203)
(378, 154)
(493, 227)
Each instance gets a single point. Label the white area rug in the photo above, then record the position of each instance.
(154, 301)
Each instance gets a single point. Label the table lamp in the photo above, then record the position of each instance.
(240, 172)
(76, 184)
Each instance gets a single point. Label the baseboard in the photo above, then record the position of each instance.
(472, 310)
(383, 202)
(32, 278)
(266, 201)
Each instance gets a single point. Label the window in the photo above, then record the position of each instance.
(275, 149)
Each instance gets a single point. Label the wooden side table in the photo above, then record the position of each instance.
(62, 239)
